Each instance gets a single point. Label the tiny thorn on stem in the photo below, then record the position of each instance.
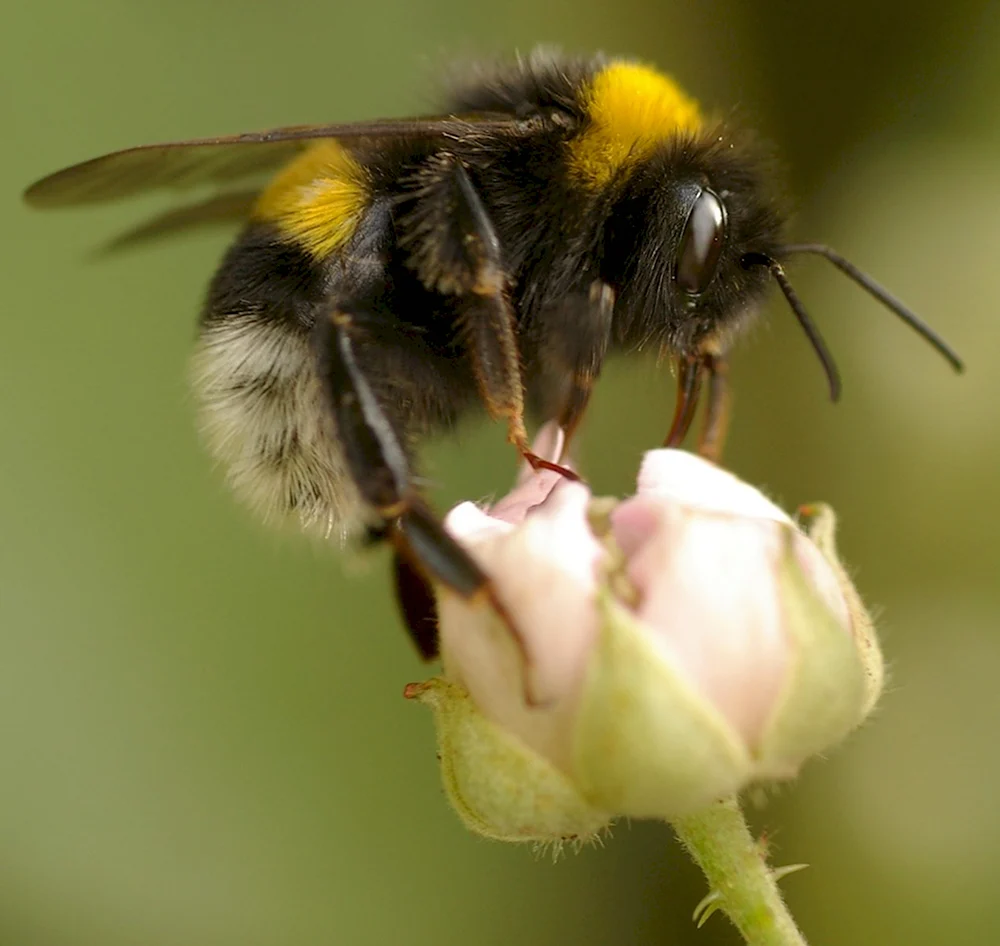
(709, 904)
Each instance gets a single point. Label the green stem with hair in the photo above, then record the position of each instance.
(742, 885)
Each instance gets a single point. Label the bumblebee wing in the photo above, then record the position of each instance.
(219, 209)
(184, 164)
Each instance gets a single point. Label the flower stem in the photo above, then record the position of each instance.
(745, 887)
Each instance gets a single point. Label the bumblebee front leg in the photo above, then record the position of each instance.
(692, 372)
(716, 423)
(380, 469)
(689, 377)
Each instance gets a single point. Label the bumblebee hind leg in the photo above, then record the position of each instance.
(377, 462)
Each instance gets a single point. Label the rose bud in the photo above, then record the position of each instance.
(673, 648)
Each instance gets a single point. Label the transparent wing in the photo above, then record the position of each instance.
(218, 210)
(184, 164)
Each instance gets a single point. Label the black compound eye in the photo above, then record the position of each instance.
(701, 244)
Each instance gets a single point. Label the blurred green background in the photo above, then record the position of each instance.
(201, 723)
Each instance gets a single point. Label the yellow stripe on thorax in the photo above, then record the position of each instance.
(630, 109)
(318, 199)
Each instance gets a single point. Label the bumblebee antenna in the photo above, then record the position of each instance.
(887, 299)
(808, 326)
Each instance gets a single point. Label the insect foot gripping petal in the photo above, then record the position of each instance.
(662, 695)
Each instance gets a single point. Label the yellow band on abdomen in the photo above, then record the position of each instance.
(318, 199)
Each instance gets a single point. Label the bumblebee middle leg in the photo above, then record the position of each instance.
(569, 345)
(377, 461)
(456, 251)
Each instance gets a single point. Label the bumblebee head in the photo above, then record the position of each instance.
(683, 217)
(682, 223)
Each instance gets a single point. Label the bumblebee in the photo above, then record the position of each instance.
(395, 274)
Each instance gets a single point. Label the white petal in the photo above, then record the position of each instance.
(545, 572)
(688, 479)
(709, 598)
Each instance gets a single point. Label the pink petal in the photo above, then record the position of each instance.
(545, 572)
(686, 478)
(709, 597)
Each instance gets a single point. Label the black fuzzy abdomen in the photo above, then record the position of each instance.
(264, 408)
